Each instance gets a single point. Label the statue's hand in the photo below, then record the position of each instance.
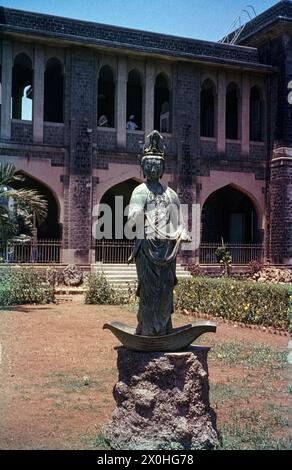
(186, 236)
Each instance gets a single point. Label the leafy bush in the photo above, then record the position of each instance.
(99, 291)
(23, 286)
(224, 258)
(247, 302)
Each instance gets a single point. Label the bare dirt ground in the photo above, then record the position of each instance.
(58, 369)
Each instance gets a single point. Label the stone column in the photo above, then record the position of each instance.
(245, 115)
(121, 102)
(38, 94)
(149, 98)
(221, 114)
(281, 207)
(6, 90)
(162, 402)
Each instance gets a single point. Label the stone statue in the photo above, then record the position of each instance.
(155, 212)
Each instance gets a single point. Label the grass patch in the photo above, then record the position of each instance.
(249, 355)
(241, 437)
(257, 429)
(96, 442)
(73, 384)
(222, 392)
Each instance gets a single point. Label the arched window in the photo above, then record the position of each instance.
(232, 109)
(134, 97)
(162, 117)
(256, 115)
(54, 91)
(208, 109)
(22, 93)
(106, 98)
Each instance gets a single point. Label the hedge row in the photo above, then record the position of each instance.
(23, 286)
(243, 301)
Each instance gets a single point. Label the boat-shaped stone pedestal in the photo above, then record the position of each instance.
(162, 401)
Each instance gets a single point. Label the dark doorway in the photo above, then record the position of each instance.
(22, 90)
(125, 190)
(162, 117)
(53, 91)
(208, 109)
(232, 110)
(134, 97)
(230, 214)
(106, 98)
(116, 248)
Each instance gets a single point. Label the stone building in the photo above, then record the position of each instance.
(222, 109)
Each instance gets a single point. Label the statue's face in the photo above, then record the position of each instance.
(153, 168)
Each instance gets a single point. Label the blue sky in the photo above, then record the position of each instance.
(201, 19)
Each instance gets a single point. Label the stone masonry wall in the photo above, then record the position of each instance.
(54, 134)
(93, 33)
(21, 132)
(281, 211)
(82, 138)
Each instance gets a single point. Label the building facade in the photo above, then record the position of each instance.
(222, 109)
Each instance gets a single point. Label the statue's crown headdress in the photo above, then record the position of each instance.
(155, 148)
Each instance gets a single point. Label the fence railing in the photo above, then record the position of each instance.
(113, 251)
(240, 253)
(44, 251)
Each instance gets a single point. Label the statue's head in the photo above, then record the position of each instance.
(153, 167)
(153, 159)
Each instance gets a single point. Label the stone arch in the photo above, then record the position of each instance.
(135, 96)
(256, 129)
(106, 97)
(232, 111)
(162, 103)
(54, 91)
(207, 117)
(232, 213)
(122, 189)
(50, 228)
(22, 87)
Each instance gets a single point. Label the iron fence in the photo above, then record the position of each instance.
(113, 251)
(43, 251)
(240, 253)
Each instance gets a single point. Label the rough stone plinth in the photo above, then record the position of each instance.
(162, 402)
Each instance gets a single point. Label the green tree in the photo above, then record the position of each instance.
(29, 203)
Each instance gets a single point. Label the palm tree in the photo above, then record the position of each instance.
(29, 199)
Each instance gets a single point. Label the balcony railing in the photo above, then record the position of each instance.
(43, 251)
(240, 253)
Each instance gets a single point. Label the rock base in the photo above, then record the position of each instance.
(162, 402)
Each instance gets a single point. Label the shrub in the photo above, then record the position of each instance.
(99, 291)
(23, 286)
(224, 258)
(247, 302)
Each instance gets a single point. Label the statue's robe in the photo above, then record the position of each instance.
(156, 246)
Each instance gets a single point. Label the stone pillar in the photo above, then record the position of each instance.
(38, 94)
(281, 207)
(245, 103)
(149, 98)
(121, 102)
(78, 222)
(221, 114)
(162, 402)
(6, 90)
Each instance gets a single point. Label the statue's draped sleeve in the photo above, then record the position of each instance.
(137, 205)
